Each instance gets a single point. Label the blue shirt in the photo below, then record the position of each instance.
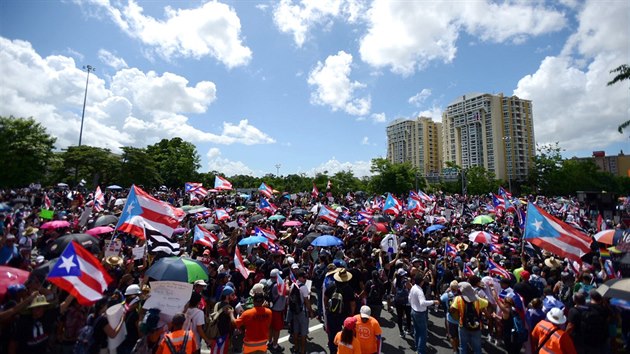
(446, 299)
(7, 253)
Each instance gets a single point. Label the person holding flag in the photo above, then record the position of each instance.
(278, 306)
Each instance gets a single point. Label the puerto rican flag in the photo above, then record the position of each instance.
(141, 208)
(327, 213)
(272, 247)
(99, 200)
(239, 265)
(425, 197)
(378, 203)
(265, 190)
(79, 273)
(505, 194)
(282, 288)
(315, 191)
(495, 269)
(555, 236)
(222, 214)
(47, 202)
(494, 248)
(204, 237)
(266, 206)
(364, 217)
(392, 205)
(270, 234)
(195, 188)
(328, 185)
(450, 249)
(468, 272)
(221, 183)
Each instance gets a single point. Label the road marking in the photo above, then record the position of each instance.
(310, 330)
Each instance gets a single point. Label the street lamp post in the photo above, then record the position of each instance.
(89, 69)
(278, 169)
(506, 139)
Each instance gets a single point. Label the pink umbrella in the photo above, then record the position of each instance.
(292, 223)
(481, 237)
(55, 224)
(99, 230)
(10, 276)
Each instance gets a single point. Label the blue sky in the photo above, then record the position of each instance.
(309, 85)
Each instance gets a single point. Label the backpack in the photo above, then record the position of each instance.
(212, 324)
(519, 333)
(85, 337)
(538, 285)
(472, 320)
(335, 303)
(296, 305)
(182, 349)
(374, 295)
(593, 326)
(319, 275)
(142, 346)
(401, 297)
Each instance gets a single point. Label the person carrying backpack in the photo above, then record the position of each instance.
(299, 312)
(178, 341)
(340, 304)
(466, 309)
(588, 323)
(548, 337)
(400, 290)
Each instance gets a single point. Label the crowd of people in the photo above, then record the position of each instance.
(505, 292)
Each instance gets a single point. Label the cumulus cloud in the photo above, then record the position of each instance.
(213, 29)
(435, 113)
(108, 58)
(365, 141)
(334, 88)
(225, 166)
(299, 18)
(571, 102)
(332, 166)
(420, 97)
(407, 35)
(136, 109)
(379, 117)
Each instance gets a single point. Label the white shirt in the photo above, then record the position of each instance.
(418, 301)
(194, 318)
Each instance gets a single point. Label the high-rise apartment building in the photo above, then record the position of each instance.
(491, 131)
(417, 141)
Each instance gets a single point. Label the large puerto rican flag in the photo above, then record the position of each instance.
(265, 190)
(221, 183)
(239, 265)
(392, 205)
(79, 273)
(143, 209)
(204, 237)
(329, 214)
(270, 234)
(555, 236)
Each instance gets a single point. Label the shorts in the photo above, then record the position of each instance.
(277, 320)
(299, 324)
(453, 330)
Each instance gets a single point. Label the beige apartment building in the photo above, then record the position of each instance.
(417, 141)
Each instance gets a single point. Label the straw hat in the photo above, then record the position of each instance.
(343, 276)
(331, 269)
(462, 246)
(553, 263)
(38, 301)
(30, 231)
(114, 261)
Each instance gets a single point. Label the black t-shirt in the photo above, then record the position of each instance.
(99, 336)
(33, 335)
(131, 325)
(348, 296)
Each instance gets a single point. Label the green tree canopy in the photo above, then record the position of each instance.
(177, 161)
(396, 178)
(137, 166)
(26, 150)
(95, 165)
(480, 181)
(622, 74)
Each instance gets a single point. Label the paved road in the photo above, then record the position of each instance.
(392, 342)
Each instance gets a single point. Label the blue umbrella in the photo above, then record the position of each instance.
(252, 240)
(326, 241)
(433, 228)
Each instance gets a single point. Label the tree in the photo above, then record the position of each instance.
(546, 175)
(345, 181)
(26, 150)
(138, 167)
(177, 161)
(95, 165)
(480, 181)
(396, 178)
(623, 73)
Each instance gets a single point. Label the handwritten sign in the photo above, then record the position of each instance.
(168, 296)
(113, 248)
(138, 252)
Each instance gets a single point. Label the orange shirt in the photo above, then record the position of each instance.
(559, 342)
(177, 338)
(342, 348)
(366, 334)
(257, 322)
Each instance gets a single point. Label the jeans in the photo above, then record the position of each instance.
(420, 320)
(472, 338)
(403, 311)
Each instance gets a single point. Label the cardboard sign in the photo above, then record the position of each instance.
(168, 296)
(114, 315)
(138, 252)
(113, 248)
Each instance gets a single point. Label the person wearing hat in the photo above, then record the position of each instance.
(132, 317)
(299, 311)
(368, 331)
(467, 309)
(452, 325)
(256, 323)
(339, 303)
(221, 343)
(400, 294)
(28, 238)
(33, 330)
(345, 340)
(198, 287)
(549, 337)
(178, 338)
(419, 311)
(9, 250)
(278, 304)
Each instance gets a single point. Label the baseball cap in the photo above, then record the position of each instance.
(200, 282)
(525, 275)
(295, 266)
(365, 311)
(274, 273)
(401, 272)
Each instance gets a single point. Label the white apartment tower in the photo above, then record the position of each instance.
(491, 131)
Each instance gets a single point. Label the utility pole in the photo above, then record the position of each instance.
(278, 169)
(89, 69)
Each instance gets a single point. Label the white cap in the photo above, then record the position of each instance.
(133, 289)
(200, 282)
(274, 273)
(295, 266)
(365, 311)
(290, 260)
(401, 271)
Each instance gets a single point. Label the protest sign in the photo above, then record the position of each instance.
(138, 252)
(46, 214)
(114, 315)
(112, 248)
(168, 296)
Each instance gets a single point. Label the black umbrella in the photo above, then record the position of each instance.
(381, 218)
(211, 227)
(616, 288)
(306, 241)
(41, 272)
(106, 220)
(88, 242)
(325, 228)
(255, 218)
(299, 211)
(19, 200)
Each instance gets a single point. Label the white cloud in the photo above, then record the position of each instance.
(135, 110)
(225, 166)
(571, 102)
(298, 19)
(333, 86)
(420, 97)
(379, 117)
(106, 57)
(365, 141)
(213, 29)
(407, 35)
(435, 112)
(332, 166)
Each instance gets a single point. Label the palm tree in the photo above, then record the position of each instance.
(623, 73)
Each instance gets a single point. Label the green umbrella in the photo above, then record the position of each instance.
(178, 269)
(186, 207)
(483, 219)
(276, 217)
